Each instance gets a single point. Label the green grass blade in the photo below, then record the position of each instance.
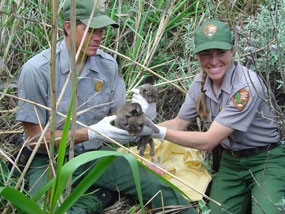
(101, 166)
(72, 165)
(20, 201)
(108, 34)
(81, 188)
(135, 170)
(55, 194)
(180, 16)
(43, 190)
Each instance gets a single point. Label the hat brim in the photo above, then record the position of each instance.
(100, 22)
(213, 45)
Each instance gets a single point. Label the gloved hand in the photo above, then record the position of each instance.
(149, 109)
(104, 126)
(149, 131)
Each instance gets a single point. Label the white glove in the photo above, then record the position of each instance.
(149, 109)
(104, 126)
(149, 131)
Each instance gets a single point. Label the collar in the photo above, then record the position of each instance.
(64, 58)
(92, 62)
(228, 79)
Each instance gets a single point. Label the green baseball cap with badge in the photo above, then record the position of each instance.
(213, 35)
(83, 12)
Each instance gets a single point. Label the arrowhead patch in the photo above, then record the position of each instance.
(210, 30)
(241, 99)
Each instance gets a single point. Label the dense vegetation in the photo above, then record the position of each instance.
(153, 44)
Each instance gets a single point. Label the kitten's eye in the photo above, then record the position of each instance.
(135, 112)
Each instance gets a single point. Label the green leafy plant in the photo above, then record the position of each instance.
(261, 46)
(29, 205)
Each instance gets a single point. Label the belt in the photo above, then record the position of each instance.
(251, 152)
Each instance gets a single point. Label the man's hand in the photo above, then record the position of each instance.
(105, 127)
(149, 109)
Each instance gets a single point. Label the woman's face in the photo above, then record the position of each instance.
(215, 63)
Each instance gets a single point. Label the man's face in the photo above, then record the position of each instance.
(95, 36)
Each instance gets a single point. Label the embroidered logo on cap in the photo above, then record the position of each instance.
(241, 99)
(210, 30)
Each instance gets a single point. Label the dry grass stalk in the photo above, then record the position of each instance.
(145, 68)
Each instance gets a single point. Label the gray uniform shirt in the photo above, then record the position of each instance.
(253, 125)
(34, 85)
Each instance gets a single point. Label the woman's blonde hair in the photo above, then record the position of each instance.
(201, 107)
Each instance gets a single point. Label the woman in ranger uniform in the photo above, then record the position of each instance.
(229, 98)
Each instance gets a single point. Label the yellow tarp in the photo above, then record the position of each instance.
(185, 163)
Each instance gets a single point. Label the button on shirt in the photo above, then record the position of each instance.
(93, 102)
(253, 125)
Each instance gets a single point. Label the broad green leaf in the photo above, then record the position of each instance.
(71, 166)
(20, 201)
(100, 167)
(81, 188)
(55, 193)
(43, 190)
(135, 170)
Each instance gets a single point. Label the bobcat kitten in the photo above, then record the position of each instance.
(131, 118)
(149, 92)
(125, 112)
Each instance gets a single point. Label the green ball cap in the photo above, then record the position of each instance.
(213, 35)
(83, 11)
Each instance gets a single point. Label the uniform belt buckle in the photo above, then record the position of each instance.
(233, 154)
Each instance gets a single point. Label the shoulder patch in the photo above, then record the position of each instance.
(241, 99)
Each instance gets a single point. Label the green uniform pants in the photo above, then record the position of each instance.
(247, 185)
(119, 175)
